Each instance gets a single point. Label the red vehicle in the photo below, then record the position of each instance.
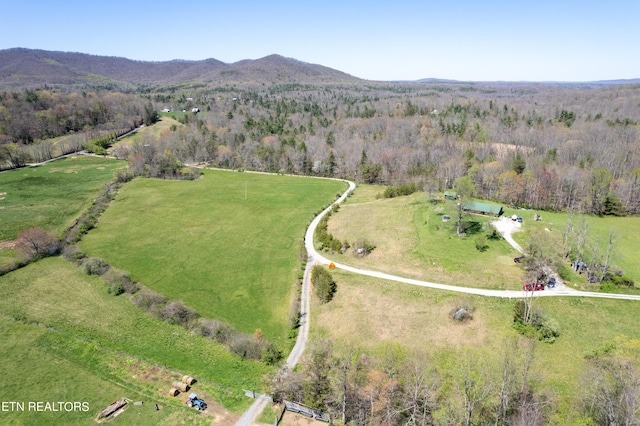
(533, 287)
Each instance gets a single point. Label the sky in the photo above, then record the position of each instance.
(490, 40)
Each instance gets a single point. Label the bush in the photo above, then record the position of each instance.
(363, 247)
(124, 175)
(481, 243)
(271, 355)
(462, 312)
(397, 191)
(119, 282)
(175, 312)
(115, 289)
(73, 254)
(246, 347)
(541, 326)
(95, 266)
(548, 330)
(148, 300)
(215, 330)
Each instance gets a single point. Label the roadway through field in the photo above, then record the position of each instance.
(249, 417)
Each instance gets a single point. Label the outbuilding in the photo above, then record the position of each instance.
(450, 195)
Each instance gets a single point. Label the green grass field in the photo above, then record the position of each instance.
(412, 240)
(63, 336)
(53, 195)
(227, 244)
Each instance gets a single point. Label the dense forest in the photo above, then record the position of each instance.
(542, 146)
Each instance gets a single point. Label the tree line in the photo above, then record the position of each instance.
(544, 147)
(393, 387)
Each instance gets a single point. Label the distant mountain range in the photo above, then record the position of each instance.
(29, 68)
(22, 68)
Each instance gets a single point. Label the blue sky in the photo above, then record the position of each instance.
(377, 40)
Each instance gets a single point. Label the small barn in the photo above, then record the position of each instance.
(450, 195)
(482, 208)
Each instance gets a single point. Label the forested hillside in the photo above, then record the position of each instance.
(540, 145)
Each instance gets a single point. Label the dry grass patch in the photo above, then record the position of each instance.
(368, 312)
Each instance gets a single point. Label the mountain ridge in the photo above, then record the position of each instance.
(29, 68)
(23, 68)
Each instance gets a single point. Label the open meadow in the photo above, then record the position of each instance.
(227, 244)
(53, 195)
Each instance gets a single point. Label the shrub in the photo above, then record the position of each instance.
(119, 282)
(73, 254)
(124, 175)
(462, 312)
(548, 330)
(541, 326)
(271, 354)
(215, 330)
(396, 191)
(175, 312)
(245, 346)
(363, 247)
(149, 300)
(115, 288)
(95, 266)
(481, 243)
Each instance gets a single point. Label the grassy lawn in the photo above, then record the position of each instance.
(412, 240)
(53, 195)
(371, 314)
(227, 245)
(102, 347)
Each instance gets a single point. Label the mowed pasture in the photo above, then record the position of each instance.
(53, 195)
(411, 240)
(373, 315)
(65, 339)
(227, 244)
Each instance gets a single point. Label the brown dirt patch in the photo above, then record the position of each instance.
(161, 380)
(7, 245)
(295, 419)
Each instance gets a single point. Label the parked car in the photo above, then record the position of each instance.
(533, 287)
(552, 282)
